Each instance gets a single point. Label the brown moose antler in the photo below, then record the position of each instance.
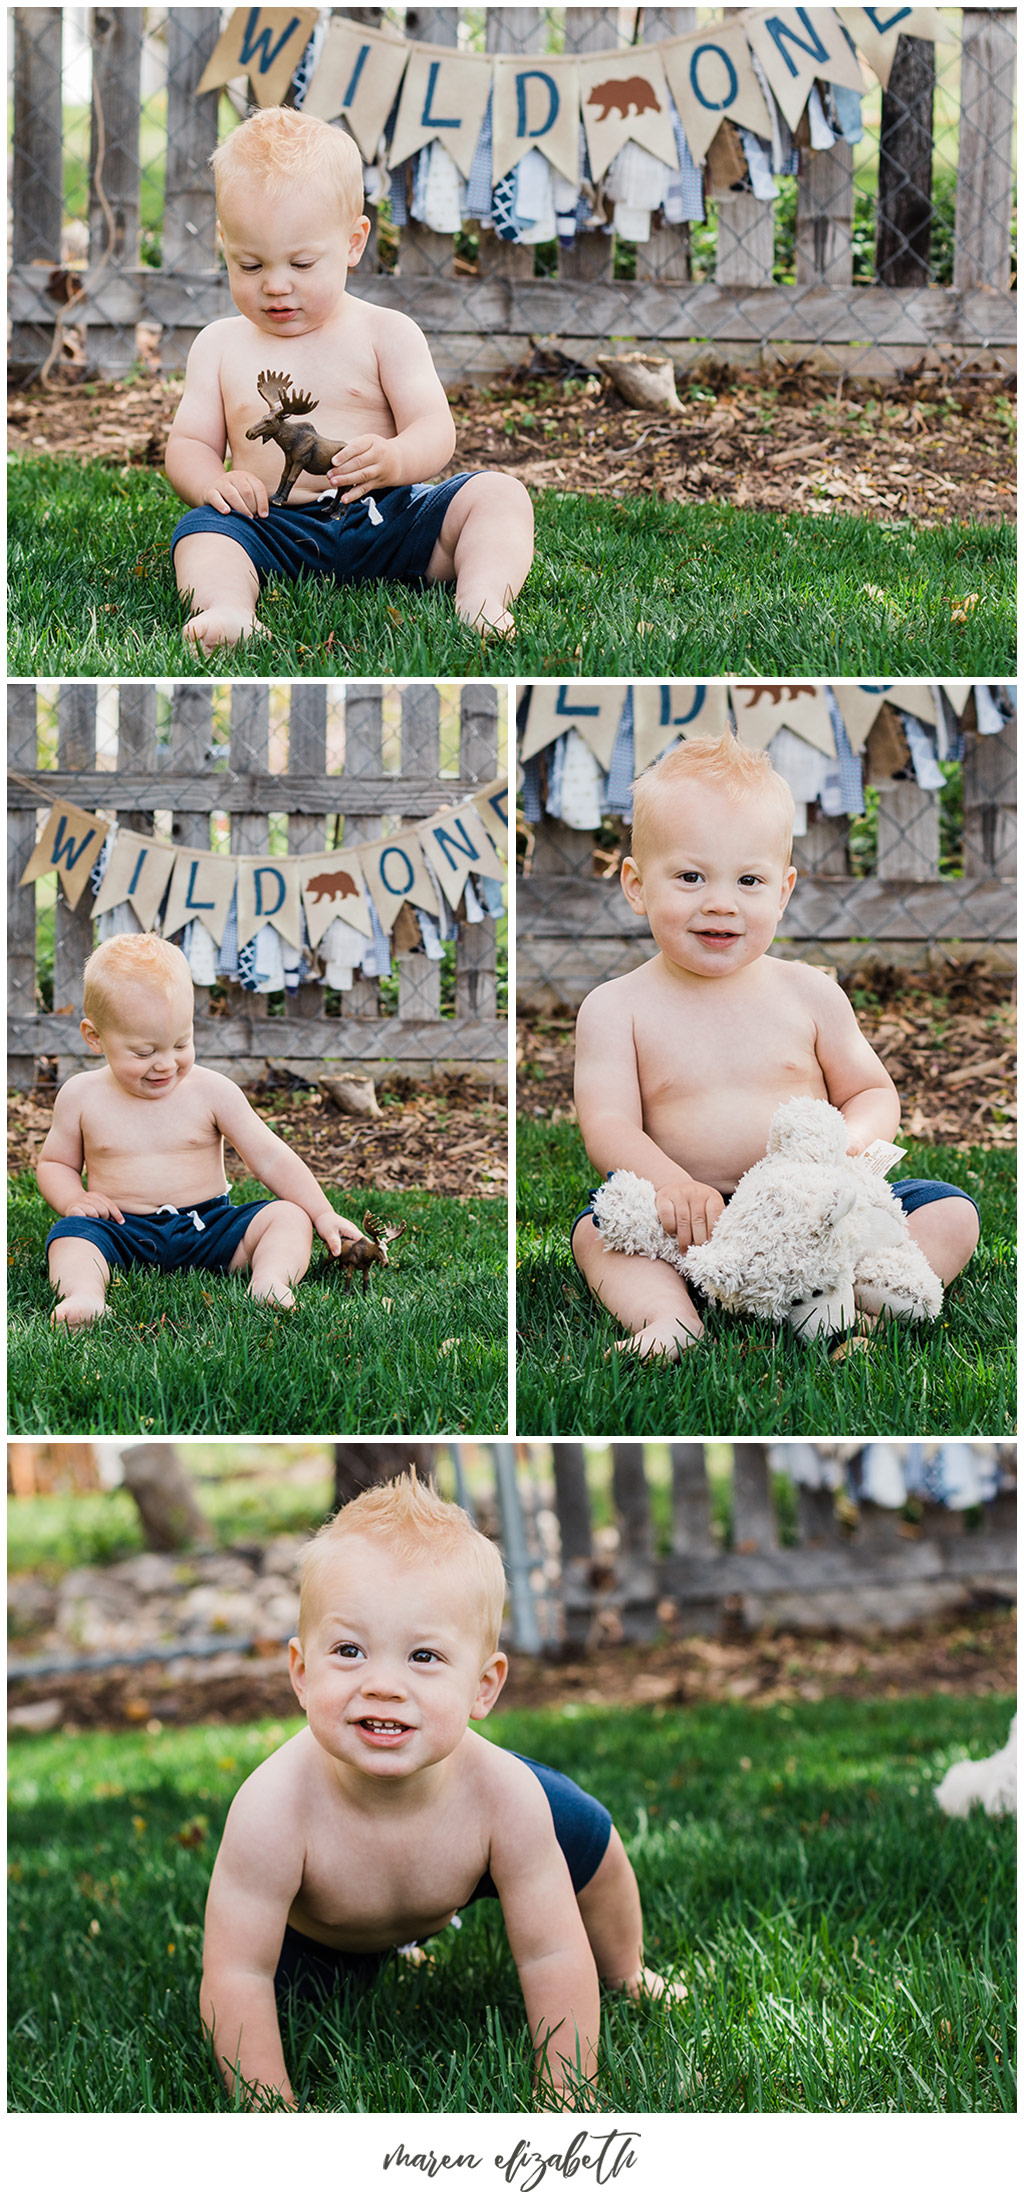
(371, 1248)
(301, 444)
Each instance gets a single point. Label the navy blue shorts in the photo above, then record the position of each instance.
(582, 1829)
(200, 1237)
(912, 1195)
(349, 546)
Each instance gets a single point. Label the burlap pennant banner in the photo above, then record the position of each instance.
(457, 844)
(536, 103)
(269, 890)
(333, 889)
(877, 32)
(796, 45)
(762, 709)
(69, 846)
(137, 874)
(710, 76)
(860, 705)
(444, 95)
(468, 838)
(264, 44)
(664, 712)
(396, 874)
(594, 710)
(357, 76)
(624, 95)
(201, 889)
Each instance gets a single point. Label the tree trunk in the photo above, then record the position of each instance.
(904, 224)
(359, 1465)
(156, 1479)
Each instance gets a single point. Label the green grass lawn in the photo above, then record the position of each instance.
(424, 1352)
(955, 1377)
(619, 587)
(845, 1945)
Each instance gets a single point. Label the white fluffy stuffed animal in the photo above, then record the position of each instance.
(812, 1235)
(989, 1780)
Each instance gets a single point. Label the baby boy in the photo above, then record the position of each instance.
(291, 225)
(149, 1132)
(386, 1815)
(680, 1065)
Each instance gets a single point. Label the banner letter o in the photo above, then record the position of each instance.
(734, 82)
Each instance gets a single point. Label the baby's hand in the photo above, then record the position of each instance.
(94, 1207)
(688, 1210)
(237, 493)
(367, 464)
(334, 1230)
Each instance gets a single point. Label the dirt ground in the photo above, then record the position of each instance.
(930, 445)
(450, 1138)
(947, 1041)
(976, 1656)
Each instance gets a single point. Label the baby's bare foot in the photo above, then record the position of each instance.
(491, 618)
(271, 1291)
(78, 1311)
(652, 1984)
(659, 1339)
(220, 625)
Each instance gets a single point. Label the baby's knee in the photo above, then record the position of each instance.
(294, 1220)
(962, 1226)
(505, 494)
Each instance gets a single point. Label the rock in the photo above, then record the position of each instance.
(37, 1717)
(353, 1094)
(643, 379)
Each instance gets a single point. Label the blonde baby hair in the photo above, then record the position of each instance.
(280, 147)
(720, 760)
(414, 1524)
(146, 959)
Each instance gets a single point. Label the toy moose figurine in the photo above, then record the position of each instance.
(301, 444)
(371, 1248)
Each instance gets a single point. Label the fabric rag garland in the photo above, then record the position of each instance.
(538, 146)
(581, 745)
(956, 1475)
(274, 923)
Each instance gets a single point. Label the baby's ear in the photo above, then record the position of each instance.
(297, 1669)
(357, 240)
(492, 1680)
(91, 1038)
(632, 886)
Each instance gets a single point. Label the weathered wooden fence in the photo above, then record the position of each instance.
(184, 777)
(575, 929)
(870, 1568)
(485, 318)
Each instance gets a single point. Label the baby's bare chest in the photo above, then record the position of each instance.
(148, 1131)
(344, 384)
(386, 1887)
(686, 1050)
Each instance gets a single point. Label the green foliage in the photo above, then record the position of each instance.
(845, 1946)
(620, 586)
(956, 1376)
(424, 1352)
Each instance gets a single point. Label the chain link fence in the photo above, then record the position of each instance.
(918, 875)
(254, 769)
(871, 252)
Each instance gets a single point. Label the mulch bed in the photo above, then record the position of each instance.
(947, 1040)
(929, 446)
(450, 1138)
(977, 1657)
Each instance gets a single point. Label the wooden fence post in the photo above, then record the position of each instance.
(665, 258)
(424, 252)
(990, 803)
(591, 259)
(307, 755)
(908, 832)
(23, 757)
(510, 31)
(110, 346)
(249, 754)
(37, 193)
(189, 242)
(364, 755)
(984, 192)
(572, 1503)
(419, 978)
(824, 216)
(903, 220)
(476, 965)
(72, 931)
(638, 1595)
